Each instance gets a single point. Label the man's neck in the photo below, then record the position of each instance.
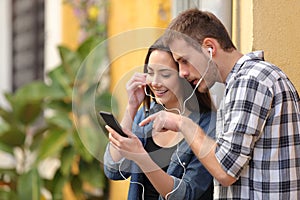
(226, 61)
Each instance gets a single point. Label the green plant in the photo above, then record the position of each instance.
(38, 127)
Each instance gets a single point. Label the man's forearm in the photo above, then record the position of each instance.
(204, 148)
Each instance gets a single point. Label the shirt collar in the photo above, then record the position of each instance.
(256, 55)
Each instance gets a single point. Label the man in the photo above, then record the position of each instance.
(256, 154)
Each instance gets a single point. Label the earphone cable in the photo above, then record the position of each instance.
(134, 182)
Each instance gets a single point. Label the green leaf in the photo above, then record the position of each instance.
(76, 185)
(38, 137)
(71, 61)
(29, 185)
(92, 173)
(80, 148)
(7, 194)
(67, 157)
(7, 116)
(28, 112)
(4, 127)
(60, 83)
(87, 46)
(55, 186)
(34, 91)
(52, 144)
(27, 103)
(105, 101)
(58, 183)
(6, 148)
(61, 119)
(13, 137)
(9, 97)
(57, 87)
(94, 139)
(60, 106)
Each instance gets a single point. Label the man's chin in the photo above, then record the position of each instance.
(203, 89)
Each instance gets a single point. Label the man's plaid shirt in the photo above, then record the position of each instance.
(258, 132)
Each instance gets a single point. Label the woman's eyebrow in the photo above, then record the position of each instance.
(166, 69)
(162, 68)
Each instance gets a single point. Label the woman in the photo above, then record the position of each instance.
(161, 165)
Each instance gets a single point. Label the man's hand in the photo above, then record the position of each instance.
(164, 120)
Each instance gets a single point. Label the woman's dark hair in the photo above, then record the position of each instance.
(202, 102)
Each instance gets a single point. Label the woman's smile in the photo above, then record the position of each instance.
(160, 93)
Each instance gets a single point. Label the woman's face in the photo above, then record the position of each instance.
(163, 79)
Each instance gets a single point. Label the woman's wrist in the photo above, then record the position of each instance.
(128, 117)
(132, 110)
(146, 164)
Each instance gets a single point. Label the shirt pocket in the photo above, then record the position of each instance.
(179, 160)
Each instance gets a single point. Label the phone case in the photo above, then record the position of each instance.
(111, 121)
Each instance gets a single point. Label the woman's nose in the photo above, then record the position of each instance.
(156, 84)
(155, 81)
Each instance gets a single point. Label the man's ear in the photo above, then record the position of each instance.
(210, 45)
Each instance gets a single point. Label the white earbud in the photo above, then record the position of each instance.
(210, 52)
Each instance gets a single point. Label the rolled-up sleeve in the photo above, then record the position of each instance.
(112, 168)
(243, 117)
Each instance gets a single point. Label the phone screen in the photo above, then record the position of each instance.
(111, 121)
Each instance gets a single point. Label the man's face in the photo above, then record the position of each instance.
(192, 64)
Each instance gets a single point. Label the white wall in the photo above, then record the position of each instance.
(52, 32)
(52, 39)
(222, 9)
(5, 48)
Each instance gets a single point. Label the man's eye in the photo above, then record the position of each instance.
(184, 61)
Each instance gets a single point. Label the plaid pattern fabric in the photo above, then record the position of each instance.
(258, 132)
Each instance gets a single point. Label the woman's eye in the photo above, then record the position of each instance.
(166, 75)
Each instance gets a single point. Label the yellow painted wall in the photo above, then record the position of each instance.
(130, 32)
(127, 45)
(242, 25)
(70, 27)
(272, 26)
(70, 30)
(276, 30)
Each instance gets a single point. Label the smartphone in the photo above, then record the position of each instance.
(111, 121)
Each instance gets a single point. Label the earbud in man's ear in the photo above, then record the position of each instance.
(210, 52)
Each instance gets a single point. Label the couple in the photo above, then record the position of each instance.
(256, 153)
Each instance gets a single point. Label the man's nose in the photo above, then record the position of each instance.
(183, 72)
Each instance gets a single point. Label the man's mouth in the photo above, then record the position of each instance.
(195, 82)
